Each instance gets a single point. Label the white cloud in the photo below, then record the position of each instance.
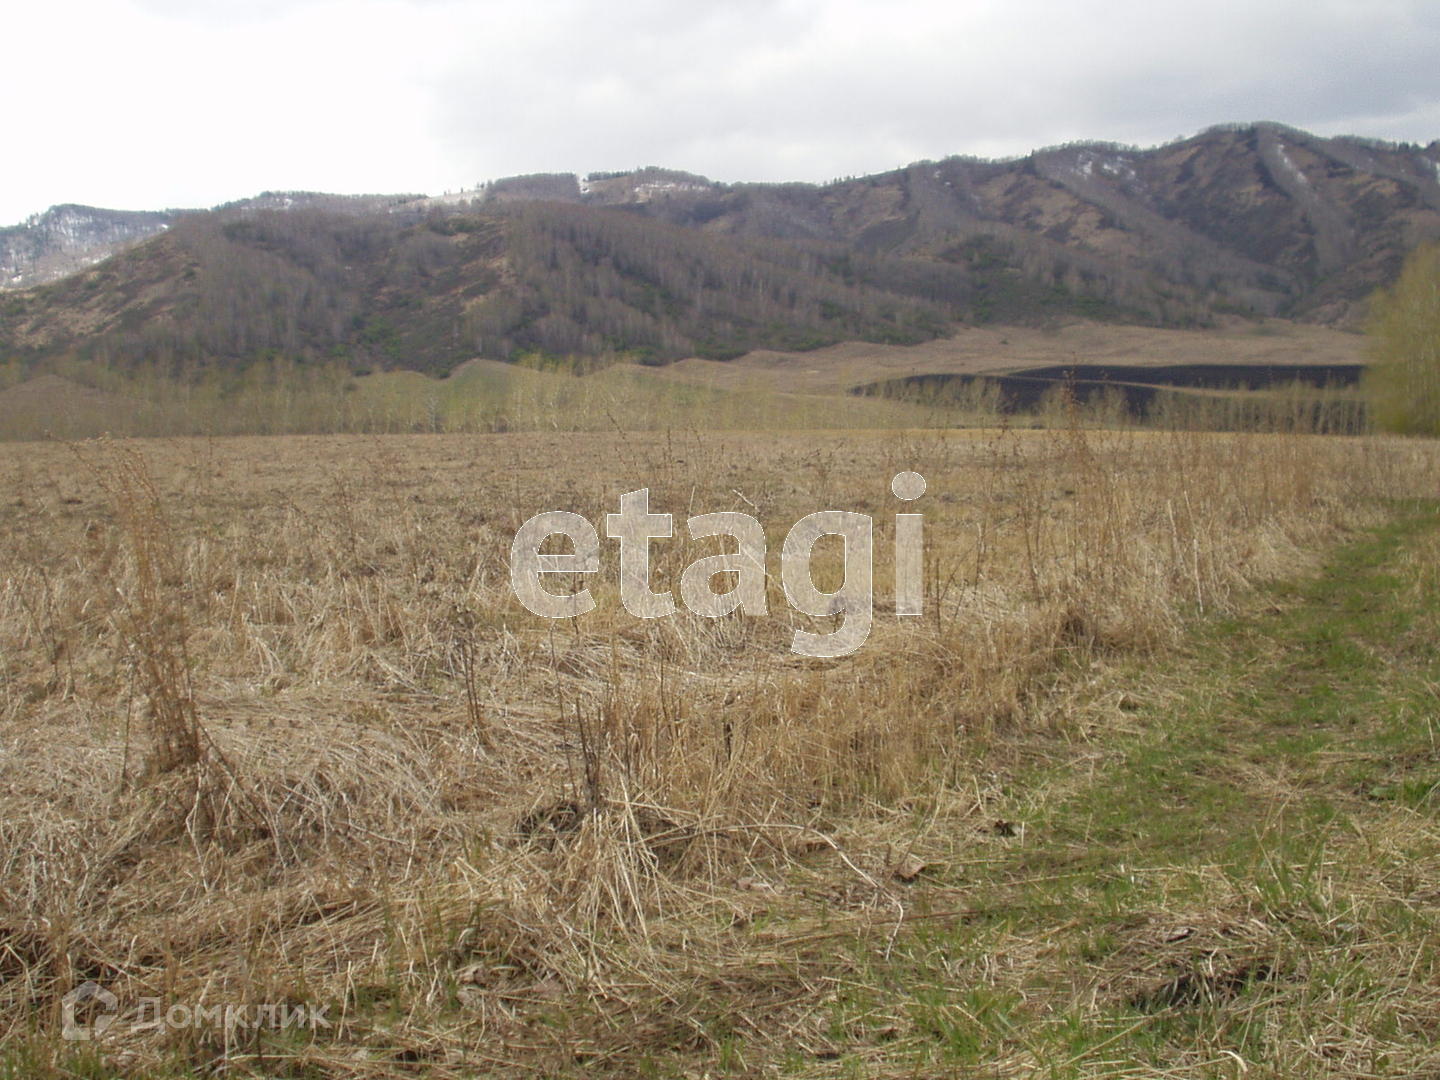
(173, 102)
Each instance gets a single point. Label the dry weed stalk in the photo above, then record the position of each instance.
(151, 615)
(451, 823)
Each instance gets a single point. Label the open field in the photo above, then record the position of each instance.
(763, 390)
(1148, 788)
(994, 350)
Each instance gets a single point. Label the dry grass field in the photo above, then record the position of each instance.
(991, 350)
(763, 390)
(274, 731)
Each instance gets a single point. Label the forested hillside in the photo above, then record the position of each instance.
(541, 278)
(654, 265)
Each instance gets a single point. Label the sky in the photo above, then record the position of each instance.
(153, 104)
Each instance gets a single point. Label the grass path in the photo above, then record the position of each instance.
(1241, 879)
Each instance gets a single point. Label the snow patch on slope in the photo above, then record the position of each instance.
(1290, 166)
(1113, 166)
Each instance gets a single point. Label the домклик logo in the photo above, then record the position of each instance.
(87, 1011)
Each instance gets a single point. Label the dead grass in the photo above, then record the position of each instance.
(980, 350)
(489, 842)
(764, 390)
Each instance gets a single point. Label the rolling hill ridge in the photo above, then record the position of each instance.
(654, 265)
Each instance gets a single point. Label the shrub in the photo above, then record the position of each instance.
(1403, 383)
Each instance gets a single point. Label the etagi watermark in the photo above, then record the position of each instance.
(635, 527)
(90, 1010)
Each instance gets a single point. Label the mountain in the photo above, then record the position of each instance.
(68, 238)
(1256, 219)
(428, 292)
(654, 264)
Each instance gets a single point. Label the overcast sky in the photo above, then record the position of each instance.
(147, 104)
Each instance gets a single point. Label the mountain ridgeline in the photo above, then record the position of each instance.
(653, 265)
